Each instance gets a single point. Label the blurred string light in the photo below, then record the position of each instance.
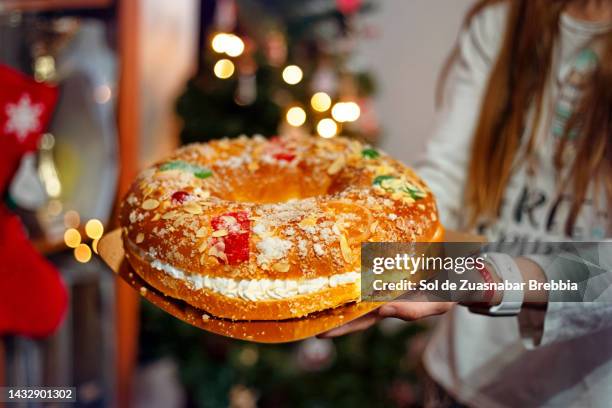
(327, 128)
(292, 74)
(230, 44)
(82, 253)
(320, 101)
(72, 237)
(224, 68)
(94, 229)
(346, 112)
(296, 116)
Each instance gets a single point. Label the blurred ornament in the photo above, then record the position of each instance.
(241, 396)
(225, 15)
(246, 91)
(325, 79)
(348, 6)
(224, 68)
(44, 68)
(275, 48)
(248, 356)
(316, 354)
(402, 393)
(27, 190)
(72, 219)
(320, 101)
(292, 74)
(368, 122)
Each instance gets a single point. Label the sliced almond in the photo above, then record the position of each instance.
(347, 254)
(192, 208)
(201, 232)
(252, 166)
(148, 190)
(169, 215)
(336, 166)
(203, 259)
(180, 220)
(308, 222)
(373, 227)
(150, 204)
(167, 174)
(219, 233)
(156, 217)
(203, 246)
(139, 237)
(213, 251)
(281, 267)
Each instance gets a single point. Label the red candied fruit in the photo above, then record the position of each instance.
(180, 196)
(238, 227)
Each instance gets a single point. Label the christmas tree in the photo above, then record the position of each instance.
(270, 67)
(277, 66)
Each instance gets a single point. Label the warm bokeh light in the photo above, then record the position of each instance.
(352, 111)
(224, 68)
(320, 101)
(327, 128)
(82, 253)
(72, 238)
(71, 219)
(346, 112)
(296, 116)
(234, 46)
(219, 42)
(94, 229)
(94, 245)
(229, 44)
(292, 74)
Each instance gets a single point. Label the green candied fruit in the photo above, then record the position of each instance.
(370, 153)
(198, 171)
(414, 192)
(379, 179)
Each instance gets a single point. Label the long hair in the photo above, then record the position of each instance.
(517, 82)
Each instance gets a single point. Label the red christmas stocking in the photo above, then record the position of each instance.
(33, 298)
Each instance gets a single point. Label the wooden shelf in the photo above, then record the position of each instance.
(50, 5)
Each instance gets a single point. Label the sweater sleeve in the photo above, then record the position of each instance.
(444, 163)
(572, 313)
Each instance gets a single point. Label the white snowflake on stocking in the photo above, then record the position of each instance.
(23, 117)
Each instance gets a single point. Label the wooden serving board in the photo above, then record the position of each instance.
(110, 248)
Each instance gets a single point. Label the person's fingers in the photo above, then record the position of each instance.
(361, 323)
(413, 310)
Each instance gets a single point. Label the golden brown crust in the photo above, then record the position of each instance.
(342, 197)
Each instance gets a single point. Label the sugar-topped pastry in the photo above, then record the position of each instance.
(258, 229)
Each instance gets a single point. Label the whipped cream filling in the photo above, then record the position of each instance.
(258, 289)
